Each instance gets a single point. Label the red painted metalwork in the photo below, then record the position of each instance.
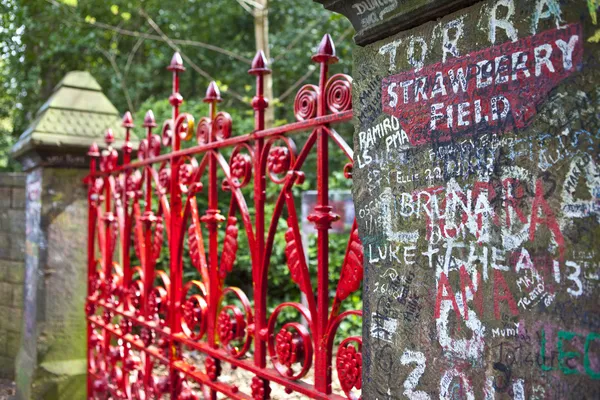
(145, 324)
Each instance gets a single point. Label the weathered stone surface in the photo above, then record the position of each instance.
(17, 299)
(6, 364)
(18, 198)
(75, 116)
(478, 204)
(377, 19)
(12, 179)
(5, 197)
(5, 248)
(5, 293)
(12, 271)
(55, 290)
(12, 233)
(17, 222)
(4, 321)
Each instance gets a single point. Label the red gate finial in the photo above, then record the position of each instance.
(212, 93)
(326, 51)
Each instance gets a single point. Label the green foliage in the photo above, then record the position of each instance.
(43, 40)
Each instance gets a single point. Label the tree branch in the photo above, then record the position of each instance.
(127, 32)
(195, 67)
(296, 39)
(304, 77)
(115, 67)
(246, 7)
(132, 54)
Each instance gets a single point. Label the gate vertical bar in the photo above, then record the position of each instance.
(259, 103)
(93, 153)
(322, 219)
(109, 159)
(126, 239)
(176, 272)
(212, 219)
(148, 219)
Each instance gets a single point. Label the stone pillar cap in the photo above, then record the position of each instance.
(76, 115)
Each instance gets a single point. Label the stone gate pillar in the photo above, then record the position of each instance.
(477, 192)
(51, 363)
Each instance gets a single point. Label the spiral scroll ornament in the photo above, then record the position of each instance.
(305, 103)
(203, 131)
(222, 126)
(167, 132)
(184, 126)
(338, 93)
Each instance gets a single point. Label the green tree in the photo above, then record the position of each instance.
(127, 44)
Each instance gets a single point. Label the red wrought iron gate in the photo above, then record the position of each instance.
(152, 334)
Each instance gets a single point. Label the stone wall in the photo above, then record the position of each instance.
(477, 193)
(12, 254)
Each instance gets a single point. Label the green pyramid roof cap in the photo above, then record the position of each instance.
(74, 116)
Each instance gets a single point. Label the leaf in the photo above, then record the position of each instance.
(114, 9)
(352, 269)
(71, 3)
(229, 247)
(295, 257)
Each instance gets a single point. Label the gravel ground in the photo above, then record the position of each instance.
(243, 379)
(7, 389)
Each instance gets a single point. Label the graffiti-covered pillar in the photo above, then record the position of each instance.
(477, 192)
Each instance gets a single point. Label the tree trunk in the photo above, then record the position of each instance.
(261, 33)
